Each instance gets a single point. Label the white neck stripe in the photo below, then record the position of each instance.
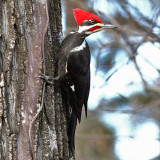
(79, 48)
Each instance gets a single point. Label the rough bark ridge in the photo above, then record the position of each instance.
(29, 39)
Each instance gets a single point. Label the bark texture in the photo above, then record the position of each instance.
(30, 33)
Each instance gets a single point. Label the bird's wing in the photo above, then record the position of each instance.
(81, 85)
(78, 66)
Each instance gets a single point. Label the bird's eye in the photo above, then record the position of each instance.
(92, 22)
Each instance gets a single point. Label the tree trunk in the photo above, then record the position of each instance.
(33, 122)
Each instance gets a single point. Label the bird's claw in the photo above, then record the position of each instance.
(43, 76)
(46, 79)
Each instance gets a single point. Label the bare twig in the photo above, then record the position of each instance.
(95, 136)
(147, 61)
(105, 136)
(147, 33)
(116, 70)
(129, 111)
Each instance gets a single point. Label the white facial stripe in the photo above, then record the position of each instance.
(85, 28)
(79, 48)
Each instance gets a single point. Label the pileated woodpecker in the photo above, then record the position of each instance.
(74, 66)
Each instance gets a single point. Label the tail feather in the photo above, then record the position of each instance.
(71, 131)
(75, 100)
(86, 108)
(72, 122)
(70, 104)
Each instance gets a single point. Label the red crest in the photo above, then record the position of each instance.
(81, 16)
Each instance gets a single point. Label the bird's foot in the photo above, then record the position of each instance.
(48, 79)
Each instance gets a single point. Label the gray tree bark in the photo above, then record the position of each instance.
(33, 122)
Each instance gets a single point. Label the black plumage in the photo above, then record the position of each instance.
(74, 68)
(75, 64)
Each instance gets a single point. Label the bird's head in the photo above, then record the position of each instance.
(89, 23)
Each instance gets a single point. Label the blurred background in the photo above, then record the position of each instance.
(124, 105)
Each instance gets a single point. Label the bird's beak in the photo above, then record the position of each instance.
(103, 26)
(106, 26)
